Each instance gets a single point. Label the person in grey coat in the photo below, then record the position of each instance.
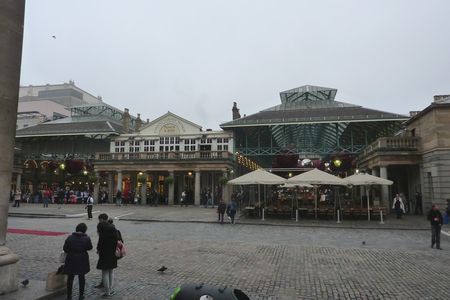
(76, 248)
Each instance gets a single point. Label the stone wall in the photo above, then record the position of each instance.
(436, 178)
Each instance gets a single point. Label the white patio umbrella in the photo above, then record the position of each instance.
(367, 180)
(316, 177)
(258, 177)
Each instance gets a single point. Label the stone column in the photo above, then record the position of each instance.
(172, 188)
(197, 188)
(110, 187)
(144, 190)
(225, 190)
(385, 189)
(18, 181)
(11, 36)
(119, 181)
(96, 188)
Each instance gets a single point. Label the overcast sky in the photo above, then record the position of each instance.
(194, 58)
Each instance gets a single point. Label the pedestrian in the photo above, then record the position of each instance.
(89, 206)
(119, 238)
(398, 206)
(406, 203)
(17, 198)
(221, 211)
(209, 199)
(231, 210)
(106, 249)
(119, 198)
(46, 197)
(418, 204)
(435, 218)
(183, 199)
(76, 247)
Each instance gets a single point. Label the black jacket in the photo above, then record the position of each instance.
(435, 217)
(106, 246)
(77, 259)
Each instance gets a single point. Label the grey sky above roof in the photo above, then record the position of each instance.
(196, 57)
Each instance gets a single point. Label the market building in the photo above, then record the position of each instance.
(58, 148)
(311, 129)
(166, 157)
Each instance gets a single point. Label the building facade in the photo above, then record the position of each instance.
(417, 159)
(168, 156)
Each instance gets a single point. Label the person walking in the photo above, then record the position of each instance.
(435, 218)
(89, 206)
(231, 210)
(221, 211)
(119, 198)
(76, 247)
(398, 206)
(418, 206)
(106, 249)
(17, 198)
(183, 199)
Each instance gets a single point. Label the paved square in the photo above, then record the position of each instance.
(267, 262)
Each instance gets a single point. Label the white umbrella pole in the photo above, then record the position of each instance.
(259, 200)
(368, 204)
(315, 202)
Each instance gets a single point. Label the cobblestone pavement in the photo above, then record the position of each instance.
(267, 262)
(200, 214)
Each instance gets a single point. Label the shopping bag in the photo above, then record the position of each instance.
(55, 281)
(120, 250)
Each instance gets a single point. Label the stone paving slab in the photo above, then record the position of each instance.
(207, 215)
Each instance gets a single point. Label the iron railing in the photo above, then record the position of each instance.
(187, 155)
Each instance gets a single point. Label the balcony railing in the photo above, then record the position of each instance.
(403, 143)
(188, 155)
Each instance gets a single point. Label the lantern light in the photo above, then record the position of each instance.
(337, 163)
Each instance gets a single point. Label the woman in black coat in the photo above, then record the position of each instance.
(77, 259)
(106, 248)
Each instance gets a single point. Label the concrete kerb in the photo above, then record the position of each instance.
(276, 224)
(265, 223)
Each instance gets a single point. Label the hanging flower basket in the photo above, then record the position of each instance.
(74, 166)
(142, 178)
(169, 180)
(223, 180)
(93, 178)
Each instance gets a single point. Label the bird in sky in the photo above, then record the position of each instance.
(162, 269)
(53, 36)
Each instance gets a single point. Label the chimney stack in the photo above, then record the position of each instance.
(138, 123)
(440, 98)
(235, 110)
(126, 121)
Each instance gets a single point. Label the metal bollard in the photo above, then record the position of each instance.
(338, 216)
(262, 214)
(296, 215)
(381, 217)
